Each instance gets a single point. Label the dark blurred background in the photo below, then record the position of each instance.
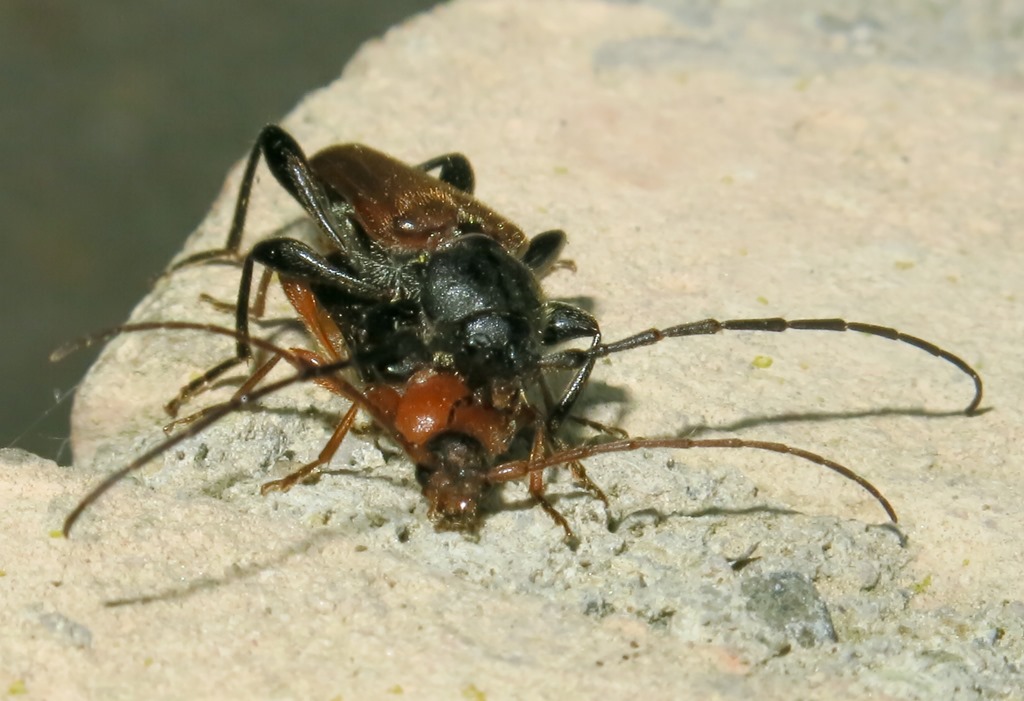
(119, 121)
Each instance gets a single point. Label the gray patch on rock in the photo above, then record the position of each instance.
(788, 602)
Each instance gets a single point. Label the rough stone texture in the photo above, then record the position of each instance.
(705, 160)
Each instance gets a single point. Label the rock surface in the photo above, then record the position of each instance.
(705, 163)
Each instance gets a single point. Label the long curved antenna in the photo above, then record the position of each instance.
(109, 333)
(706, 327)
(518, 469)
(215, 413)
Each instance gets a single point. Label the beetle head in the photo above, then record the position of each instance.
(455, 482)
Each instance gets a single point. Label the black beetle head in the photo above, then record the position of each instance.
(492, 345)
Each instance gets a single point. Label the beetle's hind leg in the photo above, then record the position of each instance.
(330, 448)
(259, 302)
(455, 170)
(536, 486)
(326, 453)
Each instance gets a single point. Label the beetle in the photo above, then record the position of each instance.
(431, 303)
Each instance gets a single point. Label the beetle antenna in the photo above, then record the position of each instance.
(213, 414)
(107, 334)
(707, 327)
(518, 469)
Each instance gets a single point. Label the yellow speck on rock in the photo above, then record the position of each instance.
(922, 586)
(472, 693)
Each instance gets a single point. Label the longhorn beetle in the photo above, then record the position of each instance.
(428, 314)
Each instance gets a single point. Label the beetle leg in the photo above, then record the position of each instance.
(536, 486)
(291, 168)
(543, 250)
(287, 257)
(258, 305)
(230, 249)
(326, 453)
(193, 388)
(243, 349)
(566, 322)
(455, 170)
(296, 260)
(557, 444)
